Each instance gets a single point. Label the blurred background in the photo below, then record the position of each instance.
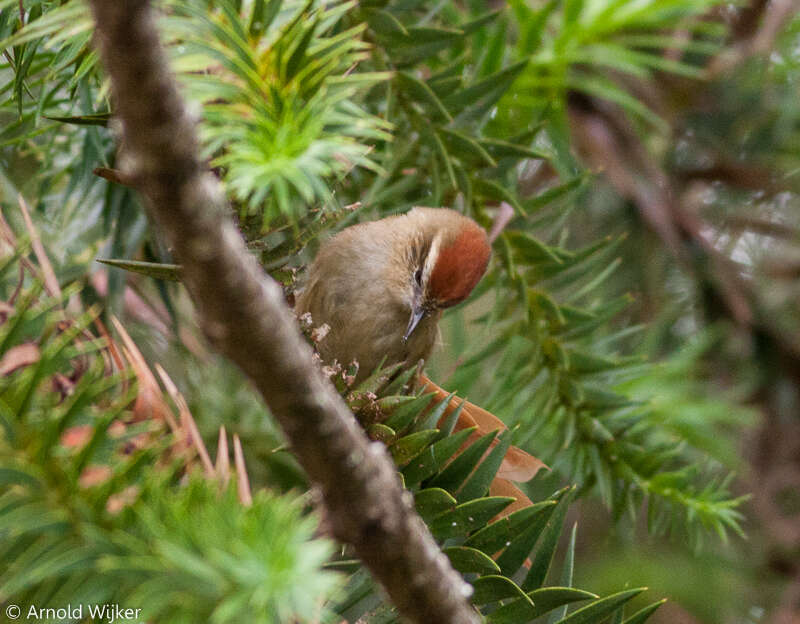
(640, 323)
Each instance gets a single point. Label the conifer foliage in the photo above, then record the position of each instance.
(314, 116)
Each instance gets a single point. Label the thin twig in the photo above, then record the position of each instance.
(114, 175)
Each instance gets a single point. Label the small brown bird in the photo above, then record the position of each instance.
(381, 287)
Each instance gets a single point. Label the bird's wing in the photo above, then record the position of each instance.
(517, 465)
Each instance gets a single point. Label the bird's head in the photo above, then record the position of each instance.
(447, 258)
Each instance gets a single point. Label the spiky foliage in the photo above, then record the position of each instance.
(508, 558)
(553, 362)
(277, 94)
(298, 103)
(258, 67)
(92, 510)
(275, 84)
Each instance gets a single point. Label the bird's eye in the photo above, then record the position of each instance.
(418, 277)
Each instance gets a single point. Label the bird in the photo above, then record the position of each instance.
(381, 287)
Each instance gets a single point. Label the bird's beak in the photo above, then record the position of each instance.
(417, 312)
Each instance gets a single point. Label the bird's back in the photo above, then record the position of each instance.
(353, 287)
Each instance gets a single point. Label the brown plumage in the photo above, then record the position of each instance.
(381, 287)
(369, 281)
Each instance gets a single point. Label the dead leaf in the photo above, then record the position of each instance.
(150, 403)
(187, 421)
(76, 437)
(19, 357)
(118, 502)
(94, 475)
(243, 481)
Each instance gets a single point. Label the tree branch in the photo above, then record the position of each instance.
(242, 312)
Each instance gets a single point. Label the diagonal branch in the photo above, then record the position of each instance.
(242, 312)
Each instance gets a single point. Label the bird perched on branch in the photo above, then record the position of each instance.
(381, 287)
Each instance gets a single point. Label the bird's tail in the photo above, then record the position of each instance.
(517, 465)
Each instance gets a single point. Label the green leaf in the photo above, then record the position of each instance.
(501, 533)
(262, 16)
(566, 574)
(641, 616)
(494, 588)
(503, 149)
(521, 546)
(452, 477)
(540, 602)
(377, 378)
(348, 566)
(432, 502)
(598, 398)
(157, 270)
(427, 34)
(479, 22)
(421, 43)
(465, 148)
(547, 544)
(384, 23)
(390, 404)
(529, 249)
(469, 560)
(478, 483)
(552, 194)
(599, 609)
(542, 305)
(404, 415)
(97, 119)
(548, 598)
(407, 447)
(380, 432)
(582, 362)
(440, 148)
(59, 560)
(422, 93)
(467, 517)
(433, 458)
(484, 93)
(16, 476)
(432, 419)
(451, 420)
(298, 55)
(496, 192)
(400, 382)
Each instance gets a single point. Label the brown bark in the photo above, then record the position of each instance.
(243, 313)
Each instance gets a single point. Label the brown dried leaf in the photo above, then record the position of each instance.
(19, 357)
(150, 403)
(223, 465)
(118, 502)
(94, 475)
(187, 421)
(242, 480)
(76, 437)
